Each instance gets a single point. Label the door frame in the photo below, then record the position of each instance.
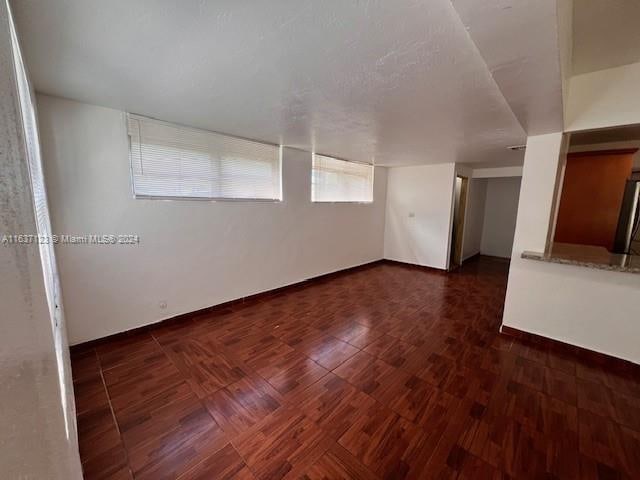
(457, 230)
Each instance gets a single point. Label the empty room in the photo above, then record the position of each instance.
(340, 239)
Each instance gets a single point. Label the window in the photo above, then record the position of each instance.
(171, 161)
(334, 180)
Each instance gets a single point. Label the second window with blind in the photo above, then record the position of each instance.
(334, 180)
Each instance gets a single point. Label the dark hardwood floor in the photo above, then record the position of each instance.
(384, 372)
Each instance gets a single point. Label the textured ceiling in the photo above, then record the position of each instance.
(606, 34)
(396, 82)
(519, 43)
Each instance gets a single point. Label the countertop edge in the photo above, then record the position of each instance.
(540, 257)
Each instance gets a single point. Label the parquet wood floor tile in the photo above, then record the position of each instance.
(354, 333)
(329, 352)
(225, 464)
(127, 350)
(137, 382)
(282, 445)
(239, 406)
(337, 464)
(366, 372)
(85, 365)
(129, 417)
(202, 363)
(293, 373)
(98, 432)
(334, 404)
(110, 465)
(384, 372)
(90, 394)
(176, 452)
(260, 351)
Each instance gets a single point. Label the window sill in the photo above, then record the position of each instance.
(208, 199)
(340, 202)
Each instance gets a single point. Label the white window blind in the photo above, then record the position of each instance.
(334, 180)
(171, 161)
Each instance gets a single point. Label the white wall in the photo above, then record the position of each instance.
(36, 400)
(496, 172)
(500, 213)
(419, 214)
(474, 217)
(605, 98)
(594, 309)
(192, 254)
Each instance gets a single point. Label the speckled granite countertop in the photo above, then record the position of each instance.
(587, 256)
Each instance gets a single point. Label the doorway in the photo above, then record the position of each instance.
(459, 211)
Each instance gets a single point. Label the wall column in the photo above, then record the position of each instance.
(538, 191)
